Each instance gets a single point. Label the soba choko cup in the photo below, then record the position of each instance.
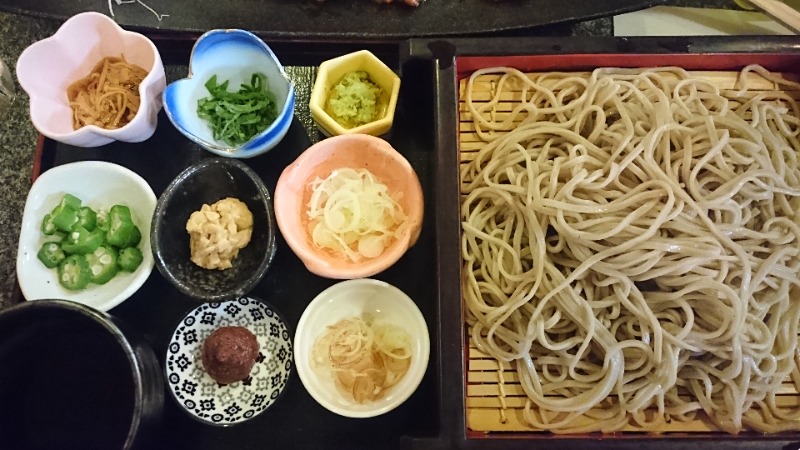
(75, 377)
(46, 68)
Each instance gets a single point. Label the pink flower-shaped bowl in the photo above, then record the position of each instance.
(355, 151)
(46, 68)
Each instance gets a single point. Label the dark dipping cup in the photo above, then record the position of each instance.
(71, 378)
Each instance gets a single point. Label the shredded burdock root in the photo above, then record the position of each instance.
(109, 96)
(217, 232)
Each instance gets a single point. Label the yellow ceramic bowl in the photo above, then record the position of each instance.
(331, 71)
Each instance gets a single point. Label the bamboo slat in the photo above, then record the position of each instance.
(495, 400)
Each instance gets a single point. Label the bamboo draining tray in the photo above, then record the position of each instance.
(495, 400)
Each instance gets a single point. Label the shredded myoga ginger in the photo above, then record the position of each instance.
(364, 358)
(109, 96)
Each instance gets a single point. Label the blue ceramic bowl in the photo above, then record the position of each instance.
(232, 55)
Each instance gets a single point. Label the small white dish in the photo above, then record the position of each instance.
(99, 185)
(353, 298)
(46, 68)
(232, 55)
(194, 389)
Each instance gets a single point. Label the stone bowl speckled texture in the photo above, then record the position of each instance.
(206, 182)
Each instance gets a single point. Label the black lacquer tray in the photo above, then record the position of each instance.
(426, 133)
(296, 420)
(337, 19)
(453, 60)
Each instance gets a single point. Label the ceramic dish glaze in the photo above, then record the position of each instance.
(99, 185)
(232, 55)
(355, 151)
(384, 303)
(331, 72)
(48, 67)
(198, 393)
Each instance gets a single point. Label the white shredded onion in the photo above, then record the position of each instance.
(352, 213)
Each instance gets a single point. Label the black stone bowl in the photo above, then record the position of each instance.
(73, 377)
(208, 181)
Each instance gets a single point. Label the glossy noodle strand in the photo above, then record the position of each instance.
(630, 244)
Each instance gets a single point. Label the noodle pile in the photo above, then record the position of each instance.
(108, 97)
(630, 243)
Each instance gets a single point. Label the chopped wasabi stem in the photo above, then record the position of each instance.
(354, 100)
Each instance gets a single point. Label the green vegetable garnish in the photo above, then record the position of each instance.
(120, 226)
(50, 254)
(130, 258)
(354, 100)
(98, 245)
(236, 117)
(103, 264)
(82, 241)
(74, 272)
(87, 218)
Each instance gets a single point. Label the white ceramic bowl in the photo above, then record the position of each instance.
(354, 151)
(99, 185)
(332, 70)
(46, 68)
(351, 298)
(232, 55)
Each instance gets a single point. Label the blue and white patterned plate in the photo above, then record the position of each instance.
(198, 393)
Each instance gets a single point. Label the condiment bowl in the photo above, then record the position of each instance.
(331, 72)
(232, 55)
(356, 151)
(206, 182)
(74, 377)
(225, 405)
(99, 185)
(382, 303)
(46, 68)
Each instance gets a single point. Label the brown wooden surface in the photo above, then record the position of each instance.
(495, 399)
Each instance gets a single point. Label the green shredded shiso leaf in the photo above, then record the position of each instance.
(235, 117)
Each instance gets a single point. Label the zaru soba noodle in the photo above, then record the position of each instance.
(630, 243)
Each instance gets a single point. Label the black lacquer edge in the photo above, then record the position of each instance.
(539, 24)
(440, 55)
(507, 46)
(444, 52)
(450, 346)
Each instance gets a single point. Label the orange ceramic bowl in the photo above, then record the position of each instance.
(355, 151)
